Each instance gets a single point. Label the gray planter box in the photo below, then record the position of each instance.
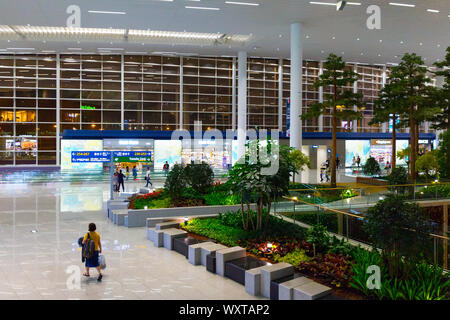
(138, 218)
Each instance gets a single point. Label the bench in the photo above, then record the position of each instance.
(236, 269)
(181, 245)
(286, 289)
(208, 249)
(225, 255)
(310, 291)
(195, 252)
(167, 225)
(170, 234)
(156, 236)
(273, 272)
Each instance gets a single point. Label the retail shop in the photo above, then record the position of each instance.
(221, 154)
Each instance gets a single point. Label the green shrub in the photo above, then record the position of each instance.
(213, 228)
(294, 257)
(221, 198)
(443, 154)
(319, 237)
(327, 219)
(425, 282)
(199, 176)
(175, 182)
(398, 176)
(371, 167)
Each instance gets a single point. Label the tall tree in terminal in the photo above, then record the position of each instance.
(441, 117)
(387, 108)
(340, 102)
(414, 100)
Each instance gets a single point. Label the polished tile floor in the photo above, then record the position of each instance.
(40, 258)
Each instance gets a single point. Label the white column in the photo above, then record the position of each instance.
(355, 90)
(321, 97)
(384, 126)
(280, 95)
(233, 95)
(296, 86)
(58, 107)
(122, 93)
(242, 102)
(181, 125)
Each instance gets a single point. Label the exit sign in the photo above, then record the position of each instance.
(87, 108)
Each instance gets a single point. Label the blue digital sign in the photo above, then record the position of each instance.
(105, 156)
(91, 156)
(132, 153)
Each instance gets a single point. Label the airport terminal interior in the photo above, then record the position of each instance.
(224, 150)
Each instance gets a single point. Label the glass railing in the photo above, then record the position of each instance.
(345, 217)
(37, 175)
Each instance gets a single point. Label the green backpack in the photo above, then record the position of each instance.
(89, 247)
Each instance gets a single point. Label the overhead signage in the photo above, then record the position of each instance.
(132, 156)
(91, 156)
(105, 156)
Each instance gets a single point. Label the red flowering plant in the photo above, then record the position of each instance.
(279, 246)
(335, 269)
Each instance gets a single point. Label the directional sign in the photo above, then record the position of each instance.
(91, 156)
(132, 156)
(117, 156)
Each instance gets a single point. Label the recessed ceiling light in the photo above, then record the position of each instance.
(307, 36)
(401, 42)
(438, 45)
(107, 12)
(362, 53)
(333, 37)
(242, 3)
(202, 8)
(420, 43)
(381, 40)
(379, 54)
(402, 4)
(280, 36)
(357, 39)
(433, 10)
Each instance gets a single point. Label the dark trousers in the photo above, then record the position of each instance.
(123, 186)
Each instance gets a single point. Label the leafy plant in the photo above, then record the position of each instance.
(336, 269)
(362, 260)
(371, 167)
(175, 182)
(427, 163)
(199, 176)
(398, 176)
(443, 154)
(294, 257)
(319, 237)
(398, 228)
(299, 161)
(348, 193)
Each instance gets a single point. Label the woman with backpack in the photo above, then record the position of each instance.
(92, 246)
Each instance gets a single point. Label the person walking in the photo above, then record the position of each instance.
(116, 181)
(147, 177)
(120, 181)
(134, 173)
(166, 169)
(327, 171)
(92, 247)
(127, 173)
(337, 162)
(358, 161)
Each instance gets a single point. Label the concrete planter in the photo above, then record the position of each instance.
(138, 218)
(371, 181)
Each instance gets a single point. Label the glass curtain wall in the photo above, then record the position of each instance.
(96, 90)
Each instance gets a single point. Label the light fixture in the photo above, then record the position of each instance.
(107, 12)
(242, 3)
(433, 10)
(402, 4)
(39, 33)
(202, 8)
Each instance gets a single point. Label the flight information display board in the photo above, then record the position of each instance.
(132, 156)
(91, 156)
(105, 156)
